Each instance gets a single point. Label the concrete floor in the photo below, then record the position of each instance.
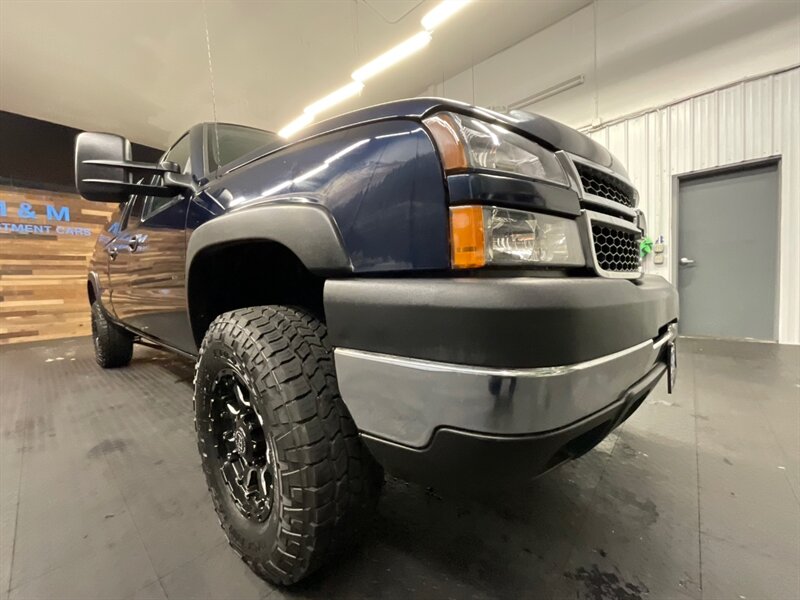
(696, 496)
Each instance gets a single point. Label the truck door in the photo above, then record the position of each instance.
(148, 273)
(121, 267)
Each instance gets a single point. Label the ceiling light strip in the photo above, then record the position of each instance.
(296, 125)
(441, 12)
(343, 93)
(391, 57)
(549, 92)
(430, 21)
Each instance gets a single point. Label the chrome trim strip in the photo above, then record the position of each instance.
(611, 220)
(435, 366)
(669, 336)
(571, 171)
(590, 217)
(432, 365)
(610, 205)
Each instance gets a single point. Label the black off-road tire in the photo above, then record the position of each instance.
(113, 346)
(326, 484)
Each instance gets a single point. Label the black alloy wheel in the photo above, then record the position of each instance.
(244, 454)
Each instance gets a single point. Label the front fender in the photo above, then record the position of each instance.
(381, 182)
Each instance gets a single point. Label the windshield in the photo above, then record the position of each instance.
(227, 143)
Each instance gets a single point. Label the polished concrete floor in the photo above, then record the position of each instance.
(696, 496)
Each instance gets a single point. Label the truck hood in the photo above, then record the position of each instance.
(565, 138)
(550, 133)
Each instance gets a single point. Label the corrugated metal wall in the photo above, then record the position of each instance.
(755, 119)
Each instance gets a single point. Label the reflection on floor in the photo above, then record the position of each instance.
(696, 496)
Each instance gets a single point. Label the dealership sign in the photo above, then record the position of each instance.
(55, 220)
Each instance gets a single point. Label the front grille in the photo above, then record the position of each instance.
(606, 186)
(617, 250)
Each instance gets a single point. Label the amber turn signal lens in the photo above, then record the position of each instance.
(467, 238)
(444, 132)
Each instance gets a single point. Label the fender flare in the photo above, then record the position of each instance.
(305, 228)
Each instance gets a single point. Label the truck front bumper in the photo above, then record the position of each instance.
(482, 376)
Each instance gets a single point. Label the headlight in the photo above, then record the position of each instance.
(465, 142)
(481, 235)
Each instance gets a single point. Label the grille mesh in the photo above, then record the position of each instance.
(616, 249)
(606, 186)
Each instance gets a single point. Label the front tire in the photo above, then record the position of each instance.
(113, 346)
(288, 475)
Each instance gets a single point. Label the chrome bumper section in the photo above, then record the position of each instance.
(405, 400)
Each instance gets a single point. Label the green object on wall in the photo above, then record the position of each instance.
(646, 246)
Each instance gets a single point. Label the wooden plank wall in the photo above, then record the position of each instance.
(43, 263)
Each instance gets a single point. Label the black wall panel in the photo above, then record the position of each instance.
(39, 154)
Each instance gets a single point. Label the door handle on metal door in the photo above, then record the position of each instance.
(133, 243)
(686, 262)
(112, 252)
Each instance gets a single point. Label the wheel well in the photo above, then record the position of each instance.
(248, 273)
(90, 289)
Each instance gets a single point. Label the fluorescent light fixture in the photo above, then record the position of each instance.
(296, 125)
(432, 19)
(393, 56)
(441, 12)
(553, 90)
(343, 93)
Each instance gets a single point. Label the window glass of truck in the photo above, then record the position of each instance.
(227, 143)
(180, 154)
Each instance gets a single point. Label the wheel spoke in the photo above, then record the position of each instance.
(239, 469)
(263, 474)
(242, 449)
(229, 472)
(239, 393)
(250, 482)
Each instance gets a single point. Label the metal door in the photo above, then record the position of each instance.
(728, 253)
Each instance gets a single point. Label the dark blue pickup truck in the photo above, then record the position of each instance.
(426, 287)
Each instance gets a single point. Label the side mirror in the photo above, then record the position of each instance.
(104, 170)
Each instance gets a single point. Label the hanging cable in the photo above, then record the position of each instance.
(211, 79)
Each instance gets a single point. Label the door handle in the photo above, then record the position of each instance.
(686, 262)
(112, 252)
(133, 243)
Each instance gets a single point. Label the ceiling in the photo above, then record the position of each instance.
(141, 69)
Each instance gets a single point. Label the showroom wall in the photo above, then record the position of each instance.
(46, 239)
(47, 232)
(670, 92)
(747, 121)
(631, 56)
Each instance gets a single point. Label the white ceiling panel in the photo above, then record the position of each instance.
(142, 68)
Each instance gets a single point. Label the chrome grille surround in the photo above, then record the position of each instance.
(572, 163)
(614, 245)
(598, 183)
(623, 223)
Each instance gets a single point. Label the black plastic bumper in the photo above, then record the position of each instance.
(459, 459)
(517, 322)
